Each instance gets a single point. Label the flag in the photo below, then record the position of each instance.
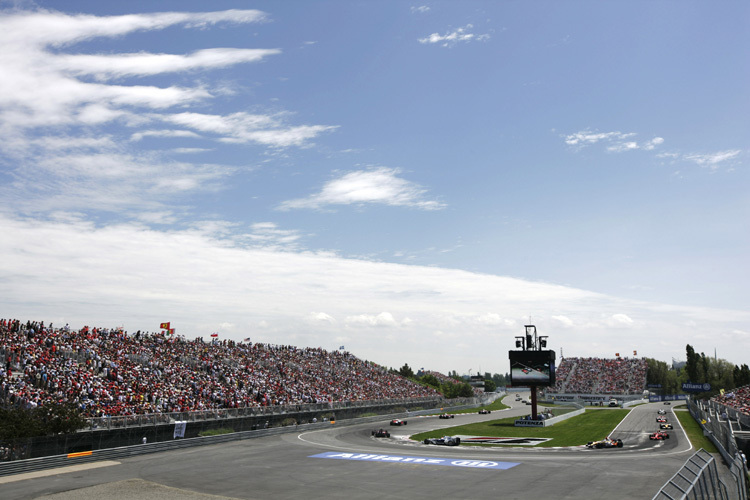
(170, 331)
(214, 334)
(635, 353)
(341, 348)
(247, 339)
(165, 326)
(617, 354)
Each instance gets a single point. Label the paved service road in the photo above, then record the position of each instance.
(348, 463)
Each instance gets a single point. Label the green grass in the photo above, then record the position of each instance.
(591, 426)
(215, 432)
(496, 405)
(694, 432)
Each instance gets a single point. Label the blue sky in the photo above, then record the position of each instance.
(411, 180)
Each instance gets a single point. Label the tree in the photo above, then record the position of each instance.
(46, 420)
(406, 371)
(489, 385)
(692, 365)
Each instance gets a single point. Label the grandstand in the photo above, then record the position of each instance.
(596, 379)
(107, 372)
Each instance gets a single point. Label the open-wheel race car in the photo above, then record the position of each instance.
(484, 411)
(661, 420)
(444, 441)
(659, 435)
(446, 415)
(665, 426)
(381, 433)
(605, 443)
(398, 421)
(662, 412)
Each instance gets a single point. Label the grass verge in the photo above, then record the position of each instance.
(591, 426)
(496, 405)
(215, 432)
(694, 432)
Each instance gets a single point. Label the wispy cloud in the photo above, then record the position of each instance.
(376, 186)
(616, 142)
(422, 9)
(70, 99)
(713, 160)
(451, 38)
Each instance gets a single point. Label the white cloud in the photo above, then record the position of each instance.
(322, 317)
(620, 319)
(380, 185)
(713, 160)
(130, 275)
(244, 127)
(563, 320)
(454, 37)
(422, 9)
(66, 96)
(382, 319)
(105, 67)
(617, 142)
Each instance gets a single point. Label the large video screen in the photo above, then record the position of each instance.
(532, 368)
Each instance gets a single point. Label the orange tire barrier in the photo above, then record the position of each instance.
(80, 454)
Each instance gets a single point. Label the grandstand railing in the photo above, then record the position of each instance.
(113, 422)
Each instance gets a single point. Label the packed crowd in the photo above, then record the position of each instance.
(739, 399)
(106, 371)
(600, 376)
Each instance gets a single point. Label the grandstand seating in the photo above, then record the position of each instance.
(105, 371)
(600, 376)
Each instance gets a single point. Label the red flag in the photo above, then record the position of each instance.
(214, 334)
(635, 353)
(171, 331)
(165, 326)
(617, 354)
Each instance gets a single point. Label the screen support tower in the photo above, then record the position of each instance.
(532, 342)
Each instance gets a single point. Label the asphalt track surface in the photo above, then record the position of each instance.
(286, 466)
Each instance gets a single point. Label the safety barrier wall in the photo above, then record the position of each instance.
(42, 463)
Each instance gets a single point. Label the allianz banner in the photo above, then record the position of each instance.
(690, 387)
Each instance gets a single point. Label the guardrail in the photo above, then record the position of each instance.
(37, 464)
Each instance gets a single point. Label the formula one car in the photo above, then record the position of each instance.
(662, 412)
(665, 426)
(667, 403)
(446, 415)
(661, 420)
(659, 435)
(605, 443)
(397, 421)
(445, 441)
(381, 433)
(484, 411)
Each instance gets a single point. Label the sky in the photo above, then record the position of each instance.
(411, 181)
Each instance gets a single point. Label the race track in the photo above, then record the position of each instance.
(348, 463)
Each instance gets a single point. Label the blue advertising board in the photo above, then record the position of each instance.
(691, 387)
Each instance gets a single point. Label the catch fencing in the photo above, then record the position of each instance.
(697, 479)
(719, 431)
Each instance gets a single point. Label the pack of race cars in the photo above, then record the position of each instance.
(608, 442)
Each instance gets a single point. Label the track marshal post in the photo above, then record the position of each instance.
(532, 365)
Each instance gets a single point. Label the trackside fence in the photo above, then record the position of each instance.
(721, 434)
(64, 460)
(697, 479)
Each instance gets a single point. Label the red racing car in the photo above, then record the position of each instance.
(659, 435)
